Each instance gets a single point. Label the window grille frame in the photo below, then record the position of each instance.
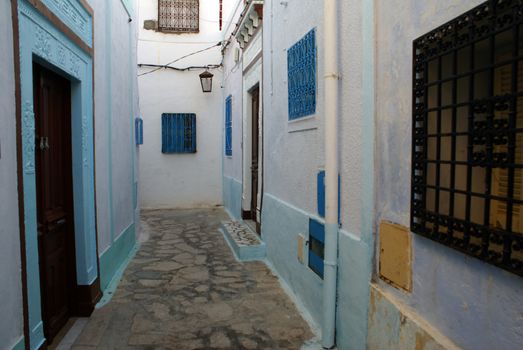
(178, 133)
(228, 126)
(178, 29)
(302, 77)
(494, 245)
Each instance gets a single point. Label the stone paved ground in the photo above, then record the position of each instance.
(185, 290)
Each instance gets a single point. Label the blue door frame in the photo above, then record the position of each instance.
(68, 52)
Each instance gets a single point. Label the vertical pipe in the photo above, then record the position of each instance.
(331, 173)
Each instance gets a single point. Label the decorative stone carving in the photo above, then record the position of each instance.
(28, 137)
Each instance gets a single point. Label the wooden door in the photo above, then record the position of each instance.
(52, 107)
(255, 96)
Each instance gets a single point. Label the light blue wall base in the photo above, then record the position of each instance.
(116, 255)
(354, 276)
(281, 224)
(20, 345)
(232, 197)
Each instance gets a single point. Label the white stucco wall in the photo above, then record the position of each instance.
(292, 156)
(180, 180)
(478, 306)
(11, 325)
(232, 86)
(116, 106)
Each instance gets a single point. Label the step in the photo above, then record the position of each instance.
(246, 245)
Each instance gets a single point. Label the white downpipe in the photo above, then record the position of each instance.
(331, 173)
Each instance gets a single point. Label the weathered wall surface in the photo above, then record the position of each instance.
(116, 107)
(180, 180)
(232, 85)
(294, 153)
(476, 305)
(11, 328)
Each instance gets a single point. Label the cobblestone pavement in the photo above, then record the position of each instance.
(185, 290)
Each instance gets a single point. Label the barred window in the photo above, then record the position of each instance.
(178, 133)
(178, 16)
(467, 150)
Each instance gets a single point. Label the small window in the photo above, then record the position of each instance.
(228, 126)
(467, 139)
(316, 246)
(301, 70)
(178, 16)
(178, 133)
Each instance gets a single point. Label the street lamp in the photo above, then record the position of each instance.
(206, 81)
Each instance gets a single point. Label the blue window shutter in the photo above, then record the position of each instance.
(228, 126)
(178, 133)
(320, 186)
(138, 131)
(316, 246)
(301, 71)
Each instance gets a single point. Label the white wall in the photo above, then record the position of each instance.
(180, 180)
(116, 106)
(291, 159)
(233, 86)
(11, 324)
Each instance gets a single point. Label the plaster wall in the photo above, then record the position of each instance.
(181, 180)
(476, 305)
(116, 106)
(11, 328)
(232, 85)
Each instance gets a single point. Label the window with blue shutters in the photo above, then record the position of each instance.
(316, 246)
(178, 133)
(228, 126)
(301, 70)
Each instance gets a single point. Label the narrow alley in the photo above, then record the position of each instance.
(185, 290)
(261, 174)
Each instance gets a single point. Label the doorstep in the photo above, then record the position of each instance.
(245, 244)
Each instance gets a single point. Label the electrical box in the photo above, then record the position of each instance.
(302, 248)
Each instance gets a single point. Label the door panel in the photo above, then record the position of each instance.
(255, 95)
(52, 101)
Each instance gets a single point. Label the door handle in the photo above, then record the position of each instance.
(60, 222)
(46, 143)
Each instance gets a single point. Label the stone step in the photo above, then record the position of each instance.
(245, 244)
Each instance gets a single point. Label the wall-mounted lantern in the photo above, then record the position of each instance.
(206, 80)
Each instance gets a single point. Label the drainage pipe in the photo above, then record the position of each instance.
(331, 78)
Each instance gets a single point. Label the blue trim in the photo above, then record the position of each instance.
(228, 126)
(41, 41)
(75, 16)
(178, 133)
(115, 256)
(20, 345)
(138, 126)
(316, 238)
(301, 75)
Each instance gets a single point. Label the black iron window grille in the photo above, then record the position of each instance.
(179, 16)
(467, 134)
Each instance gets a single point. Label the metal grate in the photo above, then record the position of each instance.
(178, 16)
(301, 70)
(228, 126)
(467, 135)
(178, 133)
